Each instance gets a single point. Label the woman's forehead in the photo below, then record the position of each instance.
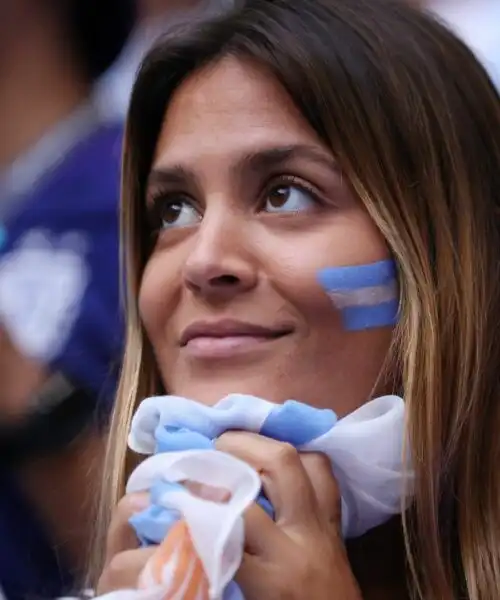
(230, 107)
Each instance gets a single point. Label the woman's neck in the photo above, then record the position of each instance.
(379, 564)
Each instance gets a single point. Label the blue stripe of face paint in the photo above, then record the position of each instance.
(359, 318)
(357, 277)
(351, 279)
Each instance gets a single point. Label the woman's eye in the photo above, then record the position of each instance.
(289, 198)
(178, 214)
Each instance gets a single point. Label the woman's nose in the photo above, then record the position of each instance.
(220, 264)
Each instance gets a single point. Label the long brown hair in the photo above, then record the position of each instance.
(414, 122)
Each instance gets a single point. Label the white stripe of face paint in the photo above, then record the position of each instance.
(368, 296)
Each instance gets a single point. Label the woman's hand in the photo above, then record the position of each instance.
(301, 554)
(298, 556)
(125, 560)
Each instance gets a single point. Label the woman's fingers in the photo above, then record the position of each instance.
(208, 492)
(286, 478)
(254, 576)
(262, 536)
(121, 536)
(326, 490)
(283, 477)
(123, 570)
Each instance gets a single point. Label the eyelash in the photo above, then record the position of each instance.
(161, 197)
(293, 180)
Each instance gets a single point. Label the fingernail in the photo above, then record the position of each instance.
(208, 492)
(140, 501)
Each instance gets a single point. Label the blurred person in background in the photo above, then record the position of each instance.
(478, 23)
(154, 19)
(60, 329)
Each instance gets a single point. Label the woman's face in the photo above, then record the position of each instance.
(250, 204)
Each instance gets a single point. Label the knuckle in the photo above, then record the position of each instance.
(264, 454)
(126, 508)
(284, 456)
(317, 461)
(126, 505)
(224, 441)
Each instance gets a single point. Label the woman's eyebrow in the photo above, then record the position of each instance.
(174, 175)
(270, 158)
(257, 161)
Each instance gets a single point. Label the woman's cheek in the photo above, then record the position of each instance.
(155, 292)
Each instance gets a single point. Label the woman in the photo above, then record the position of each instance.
(261, 148)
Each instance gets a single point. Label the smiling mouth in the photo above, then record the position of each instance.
(226, 339)
(219, 347)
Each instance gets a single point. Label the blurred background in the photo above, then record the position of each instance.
(478, 23)
(66, 72)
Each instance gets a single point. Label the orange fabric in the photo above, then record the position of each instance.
(178, 547)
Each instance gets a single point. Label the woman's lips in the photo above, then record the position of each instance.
(225, 338)
(227, 346)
